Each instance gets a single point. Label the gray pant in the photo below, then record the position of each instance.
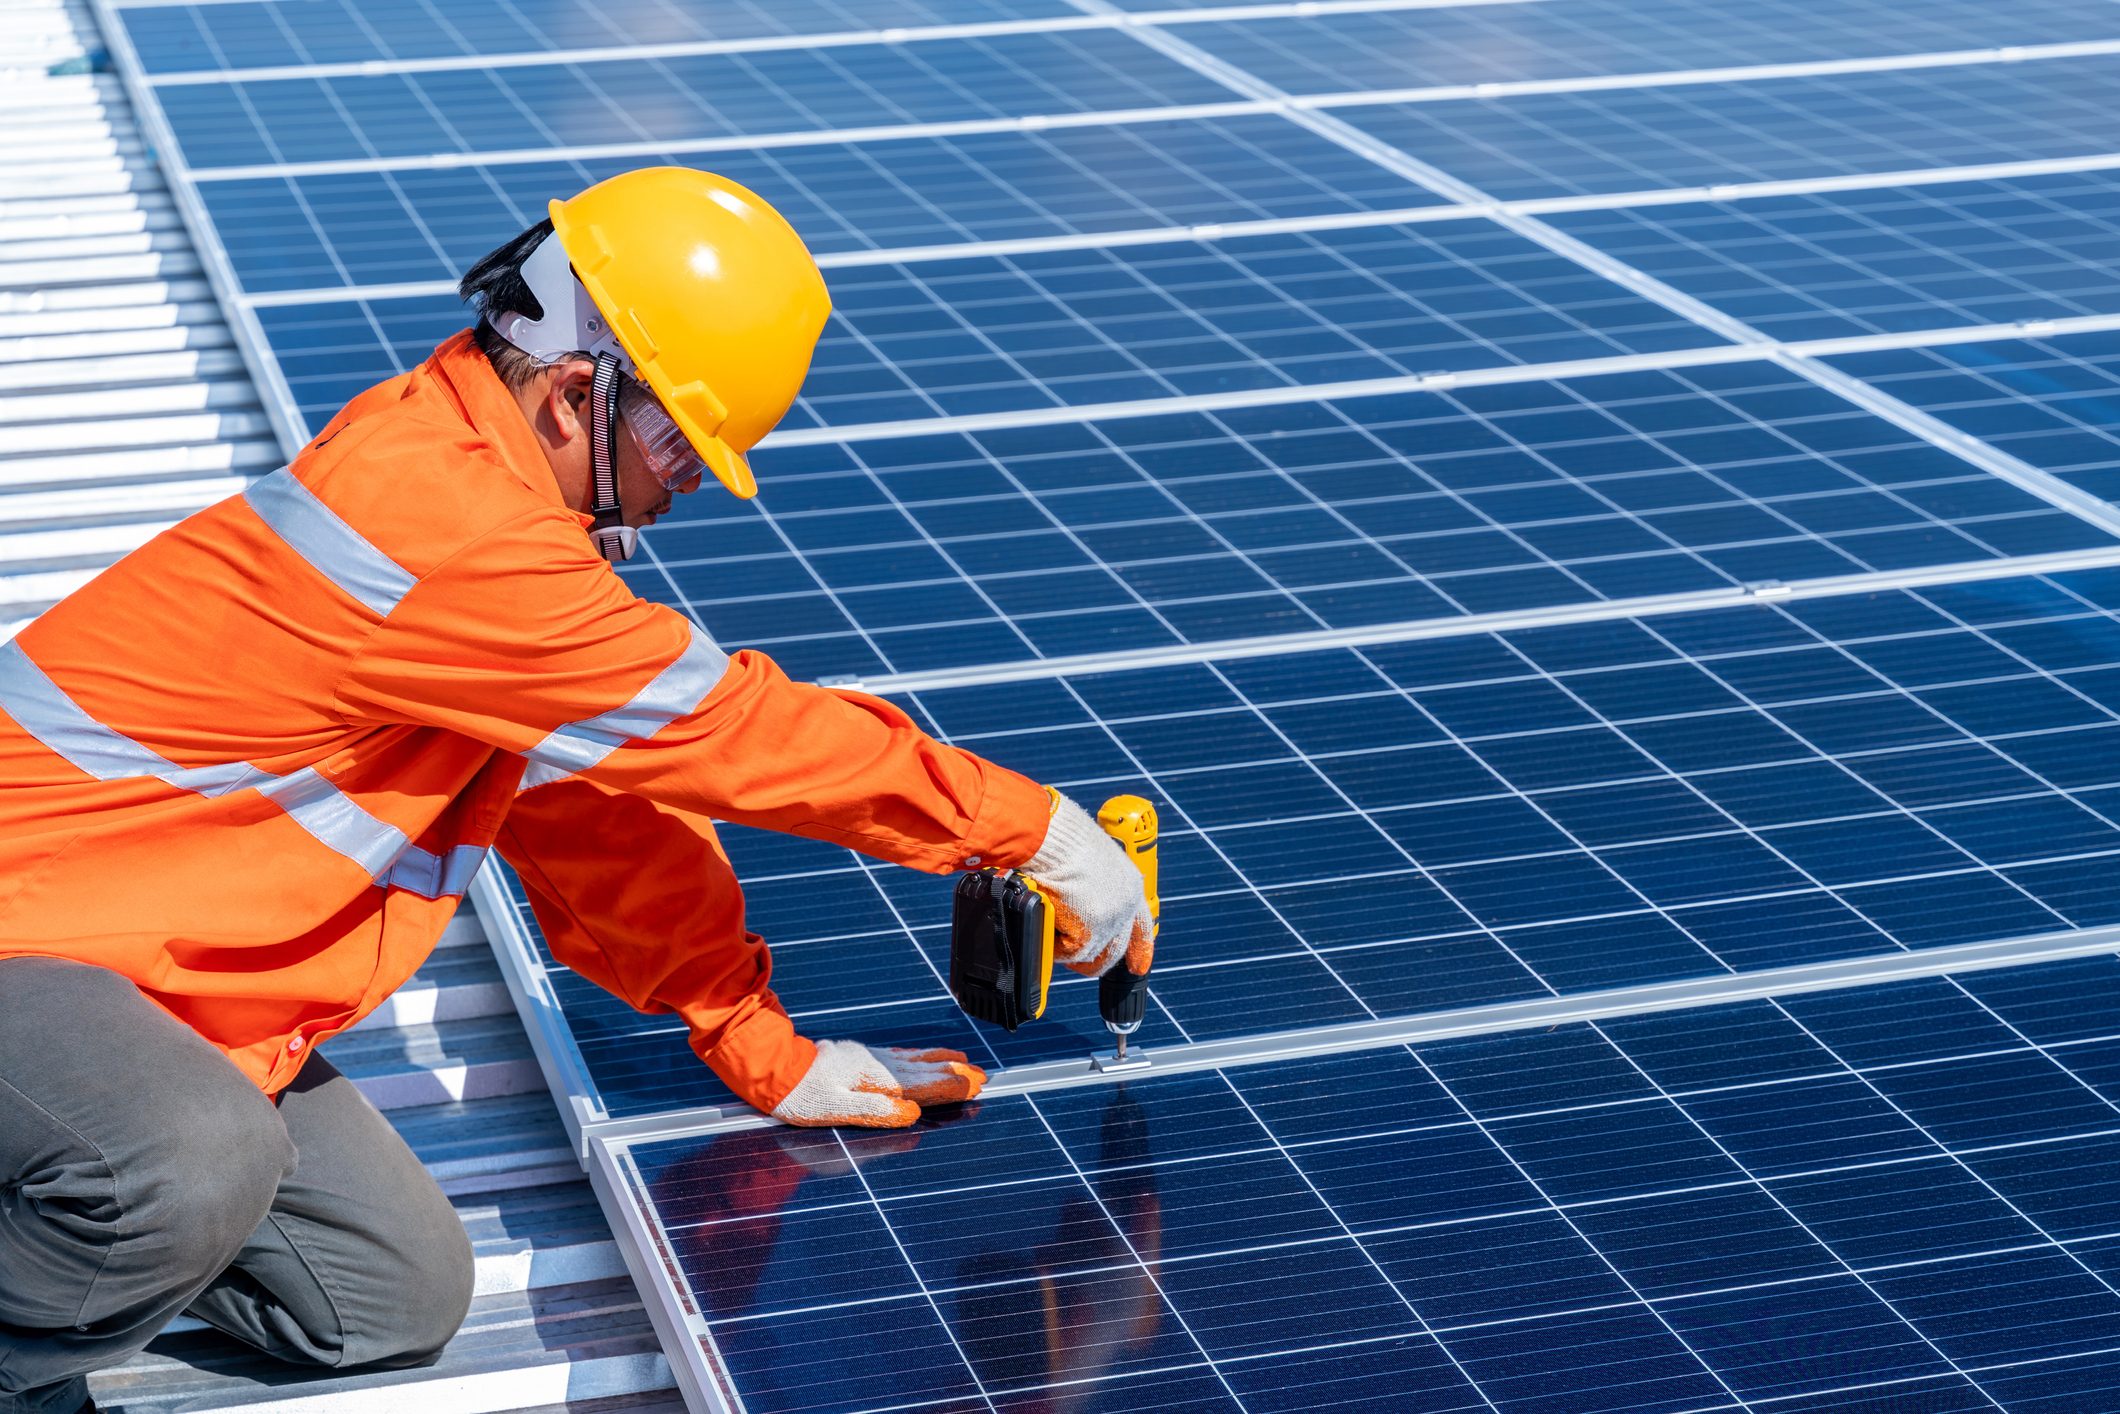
(141, 1175)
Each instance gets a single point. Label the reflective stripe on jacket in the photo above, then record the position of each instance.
(253, 765)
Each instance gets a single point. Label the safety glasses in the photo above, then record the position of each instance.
(662, 445)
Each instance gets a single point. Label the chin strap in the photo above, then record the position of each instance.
(612, 537)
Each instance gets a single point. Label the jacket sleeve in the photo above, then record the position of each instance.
(638, 897)
(525, 640)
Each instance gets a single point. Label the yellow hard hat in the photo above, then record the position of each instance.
(712, 295)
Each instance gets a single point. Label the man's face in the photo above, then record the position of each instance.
(639, 492)
(559, 400)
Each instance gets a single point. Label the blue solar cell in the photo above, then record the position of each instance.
(1885, 261)
(1500, 43)
(1792, 1221)
(2054, 403)
(237, 34)
(325, 231)
(687, 98)
(1643, 139)
(1476, 885)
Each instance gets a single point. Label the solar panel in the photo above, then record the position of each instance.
(1897, 1199)
(329, 230)
(1461, 46)
(236, 34)
(1827, 265)
(415, 114)
(1800, 128)
(2049, 402)
(1471, 819)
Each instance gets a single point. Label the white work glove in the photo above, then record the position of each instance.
(1100, 904)
(881, 1089)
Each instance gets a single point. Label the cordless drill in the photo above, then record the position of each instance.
(1001, 937)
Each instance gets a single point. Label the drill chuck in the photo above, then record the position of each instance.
(1122, 999)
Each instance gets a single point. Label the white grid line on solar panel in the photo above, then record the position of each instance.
(2050, 401)
(194, 49)
(1595, 38)
(287, 231)
(1880, 261)
(1535, 146)
(1150, 533)
(1660, 292)
(1830, 1100)
(232, 171)
(664, 101)
(1276, 894)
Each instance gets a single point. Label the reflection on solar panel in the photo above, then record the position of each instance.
(237, 34)
(1829, 125)
(1920, 257)
(1911, 1188)
(366, 117)
(1385, 50)
(1597, 758)
(362, 228)
(1473, 819)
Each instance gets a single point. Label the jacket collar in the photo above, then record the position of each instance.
(485, 403)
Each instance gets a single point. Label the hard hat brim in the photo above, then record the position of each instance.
(730, 468)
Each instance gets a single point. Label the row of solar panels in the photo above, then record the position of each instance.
(1303, 48)
(1895, 1200)
(1697, 780)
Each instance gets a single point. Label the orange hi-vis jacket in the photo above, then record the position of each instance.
(253, 766)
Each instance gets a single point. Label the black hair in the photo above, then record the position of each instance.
(495, 286)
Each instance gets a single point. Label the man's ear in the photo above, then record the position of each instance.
(567, 397)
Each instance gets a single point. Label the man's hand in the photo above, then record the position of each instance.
(1100, 904)
(882, 1088)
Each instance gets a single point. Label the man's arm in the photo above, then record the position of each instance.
(525, 640)
(638, 897)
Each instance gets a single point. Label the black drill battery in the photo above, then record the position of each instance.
(1001, 948)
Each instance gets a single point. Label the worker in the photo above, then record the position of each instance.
(247, 773)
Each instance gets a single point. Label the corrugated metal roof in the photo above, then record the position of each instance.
(123, 403)
(124, 406)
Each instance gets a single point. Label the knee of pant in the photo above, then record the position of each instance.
(432, 1283)
(217, 1175)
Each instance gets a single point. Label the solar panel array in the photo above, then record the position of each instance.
(1557, 501)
